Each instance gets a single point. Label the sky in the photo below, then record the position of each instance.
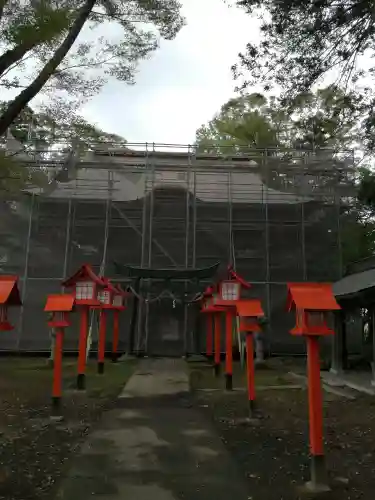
(183, 84)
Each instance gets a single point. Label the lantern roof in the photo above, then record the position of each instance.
(311, 296)
(236, 277)
(9, 293)
(84, 272)
(120, 291)
(208, 292)
(250, 308)
(213, 308)
(226, 304)
(59, 303)
(109, 285)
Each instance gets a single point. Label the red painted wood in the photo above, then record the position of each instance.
(217, 338)
(228, 343)
(116, 330)
(315, 396)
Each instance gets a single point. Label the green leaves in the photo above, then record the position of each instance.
(74, 46)
(328, 118)
(304, 41)
(45, 135)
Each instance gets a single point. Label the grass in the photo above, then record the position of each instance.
(30, 441)
(202, 376)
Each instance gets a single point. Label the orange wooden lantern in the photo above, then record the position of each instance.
(213, 312)
(120, 297)
(105, 300)
(228, 296)
(60, 306)
(85, 285)
(106, 294)
(312, 303)
(249, 312)
(9, 297)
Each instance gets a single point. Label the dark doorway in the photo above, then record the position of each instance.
(165, 325)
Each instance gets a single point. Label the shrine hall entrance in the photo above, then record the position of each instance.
(165, 308)
(166, 331)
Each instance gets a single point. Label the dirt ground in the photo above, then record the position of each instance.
(34, 450)
(273, 452)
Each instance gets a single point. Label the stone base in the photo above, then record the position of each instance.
(316, 488)
(319, 480)
(56, 418)
(81, 382)
(228, 382)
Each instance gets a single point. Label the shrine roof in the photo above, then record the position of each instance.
(235, 276)
(167, 274)
(311, 296)
(250, 308)
(83, 273)
(59, 302)
(9, 293)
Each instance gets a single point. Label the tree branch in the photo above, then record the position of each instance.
(2, 5)
(24, 97)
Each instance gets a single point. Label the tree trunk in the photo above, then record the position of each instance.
(24, 97)
(2, 5)
(14, 55)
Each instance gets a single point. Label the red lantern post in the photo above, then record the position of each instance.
(312, 303)
(105, 298)
(217, 310)
(249, 312)
(86, 285)
(229, 294)
(60, 305)
(213, 312)
(119, 300)
(9, 297)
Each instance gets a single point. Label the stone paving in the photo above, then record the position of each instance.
(154, 446)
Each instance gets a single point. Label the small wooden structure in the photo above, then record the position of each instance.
(229, 293)
(86, 286)
(60, 306)
(213, 312)
(355, 293)
(249, 312)
(105, 297)
(9, 297)
(312, 302)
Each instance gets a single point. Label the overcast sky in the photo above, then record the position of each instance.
(183, 84)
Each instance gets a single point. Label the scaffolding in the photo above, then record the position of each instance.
(274, 214)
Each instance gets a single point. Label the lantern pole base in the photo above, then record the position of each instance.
(81, 382)
(252, 408)
(101, 367)
(114, 357)
(319, 479)
(228, 382)
(56, 405)
(217, 369)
